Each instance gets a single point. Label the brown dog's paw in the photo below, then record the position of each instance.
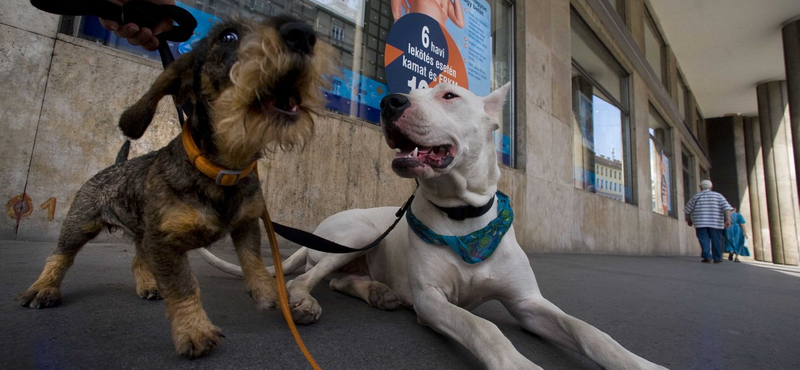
(147, 289)
(197, 341)
(150, 294)
(266, 296)
(47, 297)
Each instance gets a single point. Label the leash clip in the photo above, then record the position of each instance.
(405, 206)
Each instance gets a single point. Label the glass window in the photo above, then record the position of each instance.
(689, 187)
(681, 95)
(601, 133)
(661, 164)
(654, 48)
(619, 6)
(358, 29)
(701, 130)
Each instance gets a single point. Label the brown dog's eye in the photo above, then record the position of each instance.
(229, 36)
(448, 96)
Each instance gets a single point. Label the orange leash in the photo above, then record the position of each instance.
(280, 281)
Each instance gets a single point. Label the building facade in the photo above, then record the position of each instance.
(602, 140)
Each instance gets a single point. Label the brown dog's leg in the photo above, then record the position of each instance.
(146, 287)
(78, 228)
(192, 332)
(259, 282)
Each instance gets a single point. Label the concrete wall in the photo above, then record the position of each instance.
(60, 116)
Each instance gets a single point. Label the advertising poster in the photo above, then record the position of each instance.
(436, 41)
(659, 172)
(666, 204)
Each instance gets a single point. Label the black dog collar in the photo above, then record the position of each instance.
(464, 212)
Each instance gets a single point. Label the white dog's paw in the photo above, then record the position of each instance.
(305, 310)
(382, 297)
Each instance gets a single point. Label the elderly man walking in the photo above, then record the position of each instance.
(710, 214)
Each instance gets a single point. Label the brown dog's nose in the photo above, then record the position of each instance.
(393, 105)
(299, 37)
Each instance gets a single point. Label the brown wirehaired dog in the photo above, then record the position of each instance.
(248, 86)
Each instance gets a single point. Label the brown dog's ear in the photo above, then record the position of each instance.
(135, 120)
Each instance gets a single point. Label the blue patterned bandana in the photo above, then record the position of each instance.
(476, 246)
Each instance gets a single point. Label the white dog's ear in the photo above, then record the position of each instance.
(493, 103)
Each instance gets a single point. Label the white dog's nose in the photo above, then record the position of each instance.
(392, 107)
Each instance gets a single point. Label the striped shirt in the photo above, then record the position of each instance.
(707, 209)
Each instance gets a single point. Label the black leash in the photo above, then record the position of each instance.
(315, 242)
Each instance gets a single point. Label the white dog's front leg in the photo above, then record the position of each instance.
(540, 316)
(479, 336)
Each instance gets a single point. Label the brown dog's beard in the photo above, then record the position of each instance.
(270, 102)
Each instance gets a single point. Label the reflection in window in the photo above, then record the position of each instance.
(601, 134)
(358, 30)
(661, 165)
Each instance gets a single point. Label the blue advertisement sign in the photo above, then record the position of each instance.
(356, 95)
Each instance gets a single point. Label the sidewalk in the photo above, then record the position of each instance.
(675, 311)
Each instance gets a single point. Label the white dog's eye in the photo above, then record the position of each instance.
(229, 36)
(449, 95)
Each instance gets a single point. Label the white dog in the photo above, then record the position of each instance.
(443, 136)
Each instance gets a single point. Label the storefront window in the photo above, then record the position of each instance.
(661, 163)
(359, 29)
(601, 133)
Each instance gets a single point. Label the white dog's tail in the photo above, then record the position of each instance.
(294, 262)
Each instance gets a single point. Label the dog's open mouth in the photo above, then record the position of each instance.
(287, 105)
(410, 154)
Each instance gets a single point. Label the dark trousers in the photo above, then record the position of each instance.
(710, 237)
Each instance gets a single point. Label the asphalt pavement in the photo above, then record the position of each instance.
(674, 311)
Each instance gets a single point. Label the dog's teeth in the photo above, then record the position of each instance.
(415, 153)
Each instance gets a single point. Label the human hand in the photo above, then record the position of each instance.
(144, 37)
(727, 223)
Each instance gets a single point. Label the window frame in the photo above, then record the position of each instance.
(623, 104)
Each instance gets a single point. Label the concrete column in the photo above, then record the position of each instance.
(779, 172)
(759, 221)
(742, 187)
(791, 61)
